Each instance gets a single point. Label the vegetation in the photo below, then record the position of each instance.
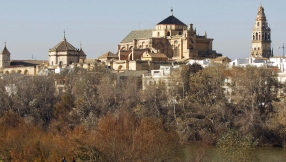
(99, 118)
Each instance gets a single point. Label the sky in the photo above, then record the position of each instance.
(32, 27)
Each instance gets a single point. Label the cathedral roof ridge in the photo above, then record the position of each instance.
(144, 29)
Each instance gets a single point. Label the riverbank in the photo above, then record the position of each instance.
(196, 152)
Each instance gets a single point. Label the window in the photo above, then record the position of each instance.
(158, 34)
(257, 23)
(180, 33)
(168, 33)
(176, 52)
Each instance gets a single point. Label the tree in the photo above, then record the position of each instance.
(123, 137)
(253, 91)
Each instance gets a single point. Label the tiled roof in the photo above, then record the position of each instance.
(64, 45)
(108, 54)
(137, 34)
(172, 20)
(27, 62)
(5, 51)
(81, 52)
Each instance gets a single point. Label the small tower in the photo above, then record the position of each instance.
(5, 58)
(261, 36)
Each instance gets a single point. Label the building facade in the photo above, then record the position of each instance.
(261, 36)
(65, 54)
(171, 38)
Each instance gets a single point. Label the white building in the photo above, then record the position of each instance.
(204, 63)
(157, 76)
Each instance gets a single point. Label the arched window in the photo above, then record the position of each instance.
(256, 36)
(158, 34)
(253, 37)
(180, 33)
(257, 23)
(168, 33)
(254, 48)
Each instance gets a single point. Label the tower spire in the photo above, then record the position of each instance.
(171, 11)
(64, 38)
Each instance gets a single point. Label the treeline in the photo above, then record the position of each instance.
(100, 118)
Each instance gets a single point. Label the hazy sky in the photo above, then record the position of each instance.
(31, 27)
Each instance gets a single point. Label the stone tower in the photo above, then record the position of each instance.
(5, 58)
(261, 36)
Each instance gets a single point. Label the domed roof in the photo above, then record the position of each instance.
(172, 20)
(64, 45)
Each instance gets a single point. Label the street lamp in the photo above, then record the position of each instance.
(282, 48)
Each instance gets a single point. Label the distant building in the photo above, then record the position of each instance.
(261, 36)
(4, 58)
(65, 54)
(171, 39)
(163, 75)
(26, 67)
(108, 56)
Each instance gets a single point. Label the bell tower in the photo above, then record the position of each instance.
(4, 58)
(261, 36)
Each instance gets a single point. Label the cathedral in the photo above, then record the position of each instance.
(261, 36)
(170, 40)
